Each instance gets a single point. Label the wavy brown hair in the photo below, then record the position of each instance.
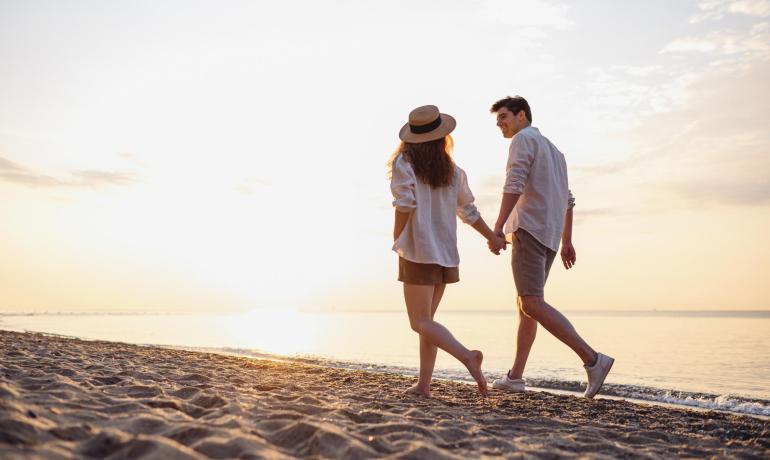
(432, 161)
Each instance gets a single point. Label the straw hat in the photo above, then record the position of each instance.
(425, 124)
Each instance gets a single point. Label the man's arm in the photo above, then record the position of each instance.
(400, 223)
(521, 155)
(506, 207)
(568, 256)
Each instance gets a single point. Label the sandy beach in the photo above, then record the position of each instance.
(65, 398)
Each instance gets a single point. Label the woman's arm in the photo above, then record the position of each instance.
(495, 242)
(400, 223)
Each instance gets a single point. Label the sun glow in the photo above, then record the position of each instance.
(273, 330)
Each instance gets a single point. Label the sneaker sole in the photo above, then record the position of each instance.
(604, 376)
(509, 390)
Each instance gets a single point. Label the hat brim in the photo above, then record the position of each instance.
(447, 125)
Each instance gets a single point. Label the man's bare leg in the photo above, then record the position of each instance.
(427, 351)
(555, 323)
(525, 337)
(419, 300)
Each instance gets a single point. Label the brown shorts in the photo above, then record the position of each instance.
(414, 273)
(531, 261)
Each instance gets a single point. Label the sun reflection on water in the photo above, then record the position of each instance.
(278, 331)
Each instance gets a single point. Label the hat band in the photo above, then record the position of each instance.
(425, 128)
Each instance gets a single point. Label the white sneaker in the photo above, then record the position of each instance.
(508, 384)
(597, 373)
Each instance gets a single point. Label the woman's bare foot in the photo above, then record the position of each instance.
(418, 390)
(473, 363)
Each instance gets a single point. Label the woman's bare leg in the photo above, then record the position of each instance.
(419, 300)
(428, 351)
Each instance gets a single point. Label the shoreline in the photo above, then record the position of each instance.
(65, 397)
(673, 398)
(737, 383)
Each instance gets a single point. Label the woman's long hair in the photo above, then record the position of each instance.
(431, 161)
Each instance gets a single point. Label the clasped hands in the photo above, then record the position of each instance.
(497, 242)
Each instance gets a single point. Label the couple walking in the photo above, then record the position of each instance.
(429, 190)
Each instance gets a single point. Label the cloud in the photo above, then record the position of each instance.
(581, 215)
(531, 15)
(7, 165)
(93, 178)
(727, 193)
(601, 169)
(133, 158)
(718, 9)
(250, 185)
(526, 23)
(619, 96)
(751, 44)
(15, 173)
(714, 149)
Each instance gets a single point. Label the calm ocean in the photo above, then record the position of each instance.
(713, 360)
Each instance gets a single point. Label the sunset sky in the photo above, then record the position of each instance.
(164, 156)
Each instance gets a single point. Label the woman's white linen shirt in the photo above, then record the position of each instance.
(430, 234)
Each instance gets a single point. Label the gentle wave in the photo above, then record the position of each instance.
(729, 402)
(706, 401)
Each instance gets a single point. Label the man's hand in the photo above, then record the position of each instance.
(568, 256)
(499, 232)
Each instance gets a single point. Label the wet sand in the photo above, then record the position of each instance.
(65, 398)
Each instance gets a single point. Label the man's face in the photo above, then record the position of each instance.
(509, 123)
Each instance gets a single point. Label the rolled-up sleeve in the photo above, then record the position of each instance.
(466, 209)
(402, 184)
(570, 200)
(520, 158)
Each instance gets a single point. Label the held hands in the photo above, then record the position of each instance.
(497, 242)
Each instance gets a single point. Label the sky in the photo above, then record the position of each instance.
(206, 156)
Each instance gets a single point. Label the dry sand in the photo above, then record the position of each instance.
(65, 398)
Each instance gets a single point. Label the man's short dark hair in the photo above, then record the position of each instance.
(515, 104)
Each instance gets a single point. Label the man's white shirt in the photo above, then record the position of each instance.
(537, 171)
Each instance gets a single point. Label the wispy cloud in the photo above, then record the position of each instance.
(733, 193)
(717, 9)
(93, 178)
(15, 173)
(533, 14)
(619, 96)
(751, 44)
(527, 24)
(8, 165)
(720, 156)
(250, 185)
(133, 158)
(601, 169)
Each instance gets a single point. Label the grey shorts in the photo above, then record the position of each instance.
(415, 273)
(531, 261)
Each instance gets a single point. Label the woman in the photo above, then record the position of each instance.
(429, 190)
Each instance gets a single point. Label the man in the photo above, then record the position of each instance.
(536, 211)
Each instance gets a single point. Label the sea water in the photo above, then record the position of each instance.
(707, 359)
